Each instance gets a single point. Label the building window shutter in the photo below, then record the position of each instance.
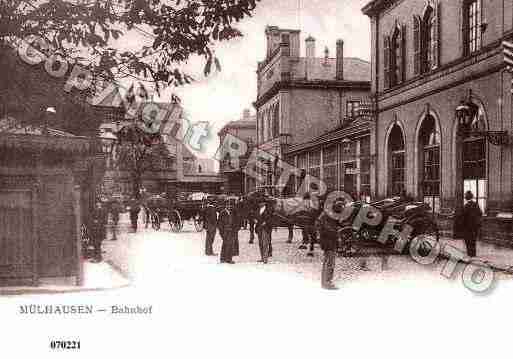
(386, 61)
(436, 39)
(416, 45)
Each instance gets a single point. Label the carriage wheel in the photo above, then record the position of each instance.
(175, 221)
(198, 223)
(155, 221)
(348, 245)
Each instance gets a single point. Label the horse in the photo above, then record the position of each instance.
(300, 211)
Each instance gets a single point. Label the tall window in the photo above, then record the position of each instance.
(471, 26)
(429, 142)
(397, 162)
(394, 57)
(315, 164)
(429, 38)
(426, 41)
(330, 175)
(352, 109)
(474, 163)
(276, 120)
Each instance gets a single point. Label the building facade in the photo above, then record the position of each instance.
(235, 179)
(301, 98)
(428, 57)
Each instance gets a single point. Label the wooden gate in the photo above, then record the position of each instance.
(17, 239)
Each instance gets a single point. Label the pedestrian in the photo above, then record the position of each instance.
(134, 210)
(237, 225)
(264, 228)
(471, 222)
(98, 229)
(209, 214)
(225, 224)
(115, 210)
(329, 237)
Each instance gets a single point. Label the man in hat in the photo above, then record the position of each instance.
(226, 224)
(210, 220)
(264, 229)
(134, 210)
(471, 223)
(98, 229)
(328, 228)
(236, 204)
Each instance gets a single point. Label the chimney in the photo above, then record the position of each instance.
(326, 56)
(310, 47)
(340, 60)
(246, 114)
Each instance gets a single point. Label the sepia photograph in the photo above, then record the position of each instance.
(256, 178)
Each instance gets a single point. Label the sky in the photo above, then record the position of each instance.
(222, 97)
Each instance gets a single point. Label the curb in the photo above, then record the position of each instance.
(16, 291)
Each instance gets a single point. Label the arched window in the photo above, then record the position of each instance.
(397, 161)
(471, 26)
(429, 145)
(426, 41)
(429, 38)
(474, 162)
(396, 58)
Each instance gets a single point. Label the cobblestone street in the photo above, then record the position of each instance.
(149, 256)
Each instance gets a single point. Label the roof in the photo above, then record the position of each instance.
(375, 5)
(355, 128)
(73, 144)
(320, 68)
(242, 123)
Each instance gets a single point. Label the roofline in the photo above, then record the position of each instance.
(315, 85)
(374, 6)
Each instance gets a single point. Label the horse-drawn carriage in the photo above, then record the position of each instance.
(158, 209)
(188, 208)
(398, 213)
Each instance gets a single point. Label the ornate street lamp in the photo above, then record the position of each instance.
(465, 114)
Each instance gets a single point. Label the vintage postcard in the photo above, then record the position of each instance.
(256, 178)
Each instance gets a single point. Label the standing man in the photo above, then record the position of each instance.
(210, 220)
(328, 228)
(471, 223)
(115, 210)
(237, 219)
(264, 228)
(225, 224)
(98, 229)
(134, 213)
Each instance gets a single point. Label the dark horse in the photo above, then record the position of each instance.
(289, 212)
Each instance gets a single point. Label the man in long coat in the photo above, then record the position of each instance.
(98, 229)
(135, 208)
(210, 220)
(226, 224)
(329, 237)
(471, 223)
(264, 229)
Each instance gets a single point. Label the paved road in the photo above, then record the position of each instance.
(160, 255)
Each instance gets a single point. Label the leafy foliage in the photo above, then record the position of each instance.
(84, 30)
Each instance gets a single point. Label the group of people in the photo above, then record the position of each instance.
(228, 219)
(98, 226)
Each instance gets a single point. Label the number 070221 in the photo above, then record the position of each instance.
(65, 344)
